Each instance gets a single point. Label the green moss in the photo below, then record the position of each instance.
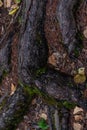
(40, 71)
(69, 105)
(79, 45)
(80, 35)
(32, 90)
(78, 49)
(43, 124)
(76, 52)
(2, 104)
(39, 38)
(22, 108)
(69, 84)
(20, 20)
(4, 74)
(29, 92)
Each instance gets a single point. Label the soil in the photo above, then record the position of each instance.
(58, 58)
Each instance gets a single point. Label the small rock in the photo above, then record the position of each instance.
(77, 109)
(77, 126)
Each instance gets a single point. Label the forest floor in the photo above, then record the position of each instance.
(58, 58)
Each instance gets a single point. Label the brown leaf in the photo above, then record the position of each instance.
(80, 77)
(77, 109)
(13, 89)
(1, 3)
(77, 126)
(78, 117)
(7, 3)
(43, 115)
(85, 32)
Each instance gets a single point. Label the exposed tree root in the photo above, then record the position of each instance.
(14, 109)
(33, 70)
(33, 50)
(5, 55)
(65, 16)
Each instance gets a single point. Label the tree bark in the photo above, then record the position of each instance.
(14, 109)
(32, 58)
(66, 17)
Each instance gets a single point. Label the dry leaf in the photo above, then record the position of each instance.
(7, 3)
(14, 6)
(17, 1)
(13, 11)
(77, 126)
(77, 109)
(53, 59)
(1, 3)
(80, 77)
(81, 71)
(78, 117)
(13, 89)
(85, 32)
(44, 116)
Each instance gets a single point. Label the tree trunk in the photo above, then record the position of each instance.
(32, 58)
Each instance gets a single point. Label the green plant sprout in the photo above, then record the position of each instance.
(43, 124)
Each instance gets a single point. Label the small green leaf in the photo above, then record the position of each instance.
(17, 1)
(69, 105)
(42, 124)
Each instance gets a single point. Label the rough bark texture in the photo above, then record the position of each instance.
(33, 50)
(65, 16)
(33, 54)
(61, 87)
(14, 109)
(5, 55)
